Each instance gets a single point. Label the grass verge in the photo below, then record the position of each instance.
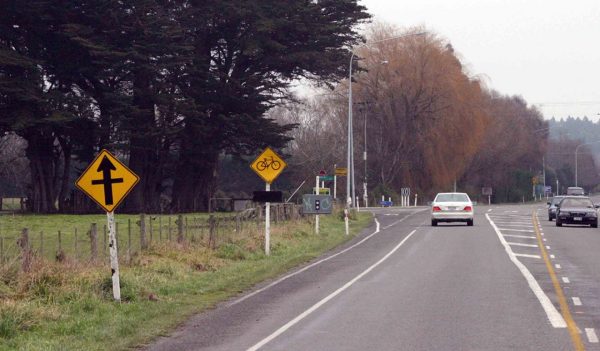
(69, 307)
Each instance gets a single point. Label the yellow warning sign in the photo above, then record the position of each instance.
(107, 181)
(268, 165)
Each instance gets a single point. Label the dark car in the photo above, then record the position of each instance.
(552, 207)
(577, 210)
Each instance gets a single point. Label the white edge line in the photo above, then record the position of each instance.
(555, 318)
(314, 307)
(591, 335)
(377, 230)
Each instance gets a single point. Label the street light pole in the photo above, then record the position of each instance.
(350, 188)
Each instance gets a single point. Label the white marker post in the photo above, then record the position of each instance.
(114, 257)
(317, 216)
(489, 200)
(346, 220)
(416, 195)
(267, 223)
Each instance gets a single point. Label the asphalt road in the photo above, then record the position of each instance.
(513, 281)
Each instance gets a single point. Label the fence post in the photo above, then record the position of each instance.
(59, 253)
(129, 239)
(211, 232)
(94, 242)
(25, 250)
(169, 228)
(76, 246)
(42, 244)
(151, 230)
(1, 249)
(143, 242)
(159, 228)
(180, 229)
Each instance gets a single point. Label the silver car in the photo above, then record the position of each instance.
(452, 207)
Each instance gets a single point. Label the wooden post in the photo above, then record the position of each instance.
(25, 250)
(169, 228)
(94, 242)
(211, 232)
(180, 229)
(151, 230)
(59, 242)
(42, 244)
(129, 239)
(114, 257)
(159, 228)
(75, 244)
(187, 234)
(143, 242)
(1, 249)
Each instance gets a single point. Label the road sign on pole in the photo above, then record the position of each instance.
(341, 171)
(108, 181)
(268, 165)
(317, 204)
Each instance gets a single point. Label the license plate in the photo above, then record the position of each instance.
(577, 218)
(452, 208)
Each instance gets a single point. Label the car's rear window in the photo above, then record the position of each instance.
(577, 203)
(556, 200)
(452, 198)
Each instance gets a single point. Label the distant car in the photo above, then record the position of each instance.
(577, 210)
(552, 207)
(576, 191)
(452, 207)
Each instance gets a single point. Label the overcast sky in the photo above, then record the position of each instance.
(547, 51)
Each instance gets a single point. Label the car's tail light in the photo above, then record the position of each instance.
(436, 209)
(468, 209)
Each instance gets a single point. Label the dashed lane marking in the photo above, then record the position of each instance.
(566, 280)
(552, 256)
(516, 230)
(557, 266)
(591, 335)
(576, 301)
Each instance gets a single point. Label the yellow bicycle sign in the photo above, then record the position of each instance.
(268, 165)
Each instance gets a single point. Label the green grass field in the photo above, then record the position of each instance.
(69, 306)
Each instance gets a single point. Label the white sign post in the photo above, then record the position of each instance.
(317, 216)
(267, 223)
(114, 256)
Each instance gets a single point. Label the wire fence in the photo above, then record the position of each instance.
(89, 242)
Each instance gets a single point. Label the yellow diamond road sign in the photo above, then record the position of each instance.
(268, 165)
(107, 181)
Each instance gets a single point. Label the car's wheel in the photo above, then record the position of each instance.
(558, 222)
(434, 223)
(470, 222)
(594, 225)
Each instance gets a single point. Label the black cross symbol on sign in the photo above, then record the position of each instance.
(106, 167)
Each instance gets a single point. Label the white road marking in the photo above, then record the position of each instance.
(557, 266)
(547, 247)
(519, 236)
(377, 230)
(555, 318)
(544, 239)
(316, 306)
(519, 244)
(552, 256)
(517, 230)
(591, 335)
(576, 301)
(490, 210)
(529, 256)
(566, 280)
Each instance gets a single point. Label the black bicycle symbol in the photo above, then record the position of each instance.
(268, 162)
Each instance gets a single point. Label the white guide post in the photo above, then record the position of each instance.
(267, 223)
(346, 220)
(317, 216)
(489, 200)
(357, 204)
(334, 187)
(114, 257)
(416, 195)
